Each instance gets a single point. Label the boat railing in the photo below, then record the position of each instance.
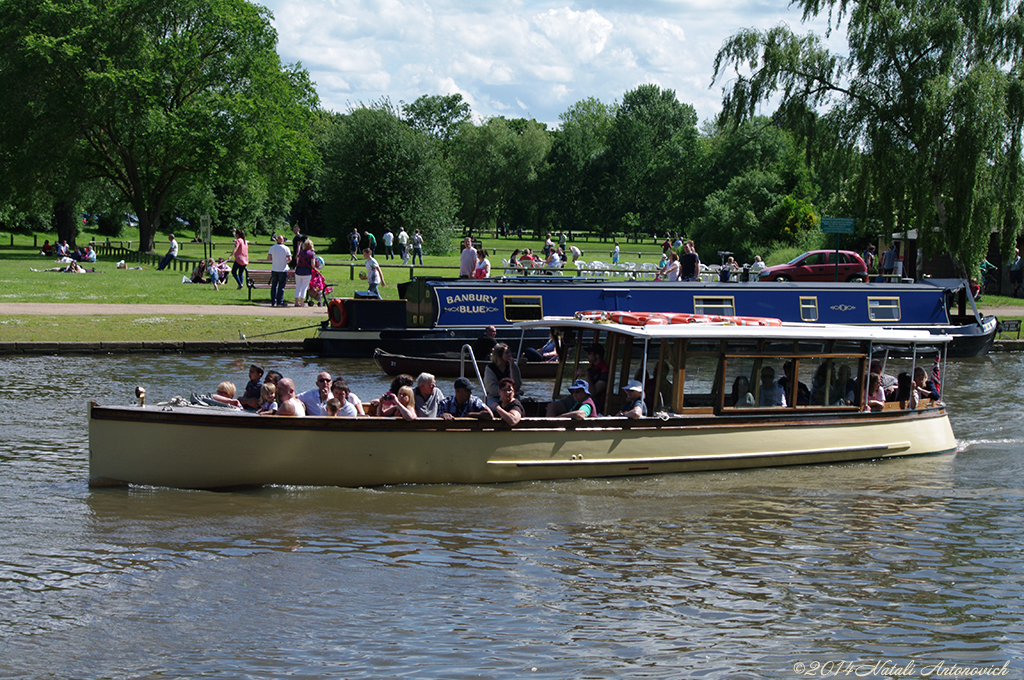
(468, 349)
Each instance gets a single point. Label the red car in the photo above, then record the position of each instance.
(819, 265)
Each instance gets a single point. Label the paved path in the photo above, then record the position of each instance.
(87, 309)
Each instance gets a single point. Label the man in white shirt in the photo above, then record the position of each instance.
(389, 239)
(403, 245)
(315, 400)
(280, 255)
(374, 276)
(172, 253)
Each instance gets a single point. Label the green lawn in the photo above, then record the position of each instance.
(148, 286)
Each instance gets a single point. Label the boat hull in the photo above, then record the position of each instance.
(130, 445)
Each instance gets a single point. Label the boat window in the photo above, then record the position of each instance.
(523, 308)
(884, 309)
(721, 306)
(740, 379)
(809, 309)
(699, 389)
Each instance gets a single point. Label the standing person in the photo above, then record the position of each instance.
(279, 256)
(467, 260)
(562, 240)
(297, 240)
(576, 253)
(389, 239)
(374, 276)
(371, 241)
(172, 253)
(403, 245)
(353, 243)
(869, 257)
(240, 258)
(303, 271)
(615, 253)
(482, 268)
(417, 247)
(689, 263)
(889, 259)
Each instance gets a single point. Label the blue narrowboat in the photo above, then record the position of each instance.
(439, 315)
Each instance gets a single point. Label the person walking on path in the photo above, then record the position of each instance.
(240, 258)
(172, 253)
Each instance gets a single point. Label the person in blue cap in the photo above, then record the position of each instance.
(583, 405)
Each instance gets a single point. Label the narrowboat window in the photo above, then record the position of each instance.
(523, 308)
(884, 309)
(808, 309)
(721, 306)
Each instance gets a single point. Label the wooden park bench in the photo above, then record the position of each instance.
(260, 278)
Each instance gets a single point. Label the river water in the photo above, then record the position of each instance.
(904, 568)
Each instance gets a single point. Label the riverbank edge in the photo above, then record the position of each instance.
(303, 346)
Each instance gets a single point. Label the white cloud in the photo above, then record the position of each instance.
(533, 56)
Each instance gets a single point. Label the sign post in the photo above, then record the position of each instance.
(837, 226)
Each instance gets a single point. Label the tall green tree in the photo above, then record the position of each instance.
(150, 95)
(650, 147)
(577, 165)
(378, 172)
(928, 91)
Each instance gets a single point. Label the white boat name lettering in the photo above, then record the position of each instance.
(468, 309)
(471, 297)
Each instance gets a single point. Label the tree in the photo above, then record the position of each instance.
(439, 116)
(650, 147)
(150, 95)
(577, 165)
(930, 92)
(379, 172)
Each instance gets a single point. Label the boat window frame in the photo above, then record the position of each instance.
(727, 308)
(873, 304)
(813, 300)
(505, 306)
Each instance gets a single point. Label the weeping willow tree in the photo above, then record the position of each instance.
(930, 93)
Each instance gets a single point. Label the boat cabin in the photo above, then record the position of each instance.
(719, 368)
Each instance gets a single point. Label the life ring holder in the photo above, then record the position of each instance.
(336, 313)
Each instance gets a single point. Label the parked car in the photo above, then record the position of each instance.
(819, 265)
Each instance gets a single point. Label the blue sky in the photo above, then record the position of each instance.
(520, 58)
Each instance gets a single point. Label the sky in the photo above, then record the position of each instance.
(518, 58)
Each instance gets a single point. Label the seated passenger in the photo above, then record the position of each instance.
(905, 392)
(268, 399)
(405, 403)
(876, 395)
(509, 408)
(225, 394)
(350, 404)
(385, 406)
(502, 366)
(251, 396)
(741, 396)
(887, 381)
(287, 403)
(844, 391)
(634, 406)
(925, 387)
(314, 400)
(428, 396)
(583, 405)
(463, 404)
(549, 352)
(803, 395)
(772, 393)
(332, 406)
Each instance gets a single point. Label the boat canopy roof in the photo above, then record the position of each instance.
(727, 331)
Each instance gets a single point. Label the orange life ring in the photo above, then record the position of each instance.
(627, 318)
(657, 320)
(336, 313)
(756, 321)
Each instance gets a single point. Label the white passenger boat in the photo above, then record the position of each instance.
(692, 374)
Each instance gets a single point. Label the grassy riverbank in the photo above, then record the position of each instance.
(146, 286)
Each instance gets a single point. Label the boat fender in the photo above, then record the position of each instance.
(336, 313)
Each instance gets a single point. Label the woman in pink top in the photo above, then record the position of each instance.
(240, 257)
